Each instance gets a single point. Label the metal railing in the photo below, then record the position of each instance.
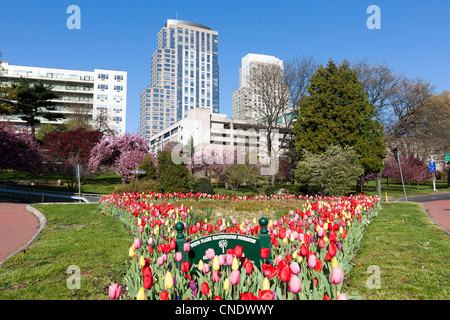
(40, 195)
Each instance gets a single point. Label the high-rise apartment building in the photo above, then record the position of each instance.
(246, 103)
(100, 95)
(184, 76)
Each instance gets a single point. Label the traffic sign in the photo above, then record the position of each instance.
(432, 166)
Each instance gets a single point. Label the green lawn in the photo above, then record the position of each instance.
(394, 190)
(75, 235)
(411, 253)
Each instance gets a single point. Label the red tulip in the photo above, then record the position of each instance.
(205, 288)
(321, 243)
(265, 253)
(172, 244)
(332, 249)
(326, 297)
(217, 298)
(185, 266)
(248, 267)
(318, 267)
(282, 233)
(270, 271)
(148, 282)
(265, 295)
(238, 251)
(304, 250)
(146, 271)
(248, 296)
(284, 273)
(164, 295)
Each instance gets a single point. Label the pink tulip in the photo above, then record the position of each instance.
(150, 241)
(114, 290)
(294, 284)
(312, 261)
(187, 247)
(235, 277)
(229, 259)
(215, 275)
(278, 259)
(141, 229)
(336, 275)
(205, 268)
(210, 254)
(161, 260)
(137, 243)
(321, 232)
(342, 297)
(295, 268)
(178, 256)
(222, 259)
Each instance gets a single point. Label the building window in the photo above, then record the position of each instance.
(102, 76)
(118, 77)
(103, 86)
(117, 119)
(118, 88)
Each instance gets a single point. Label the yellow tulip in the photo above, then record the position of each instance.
(294, 255)
(131, 252)
(254, 220)
(141, 294)
(285, 240)
(200, 265)
(226, 284)
(235, 264)
(334, 262)
(266, 284)
(139, 221)
(300, 259)
(216, 265)
(168, 280)
(291, 238)
(142, 261)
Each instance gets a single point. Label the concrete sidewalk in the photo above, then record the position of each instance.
(18, 227)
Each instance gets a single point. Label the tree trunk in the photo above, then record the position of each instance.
(378, 185)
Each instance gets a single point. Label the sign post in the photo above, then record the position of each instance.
(78, 172)
(432, 166)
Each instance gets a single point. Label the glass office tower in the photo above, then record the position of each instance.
(184, 75)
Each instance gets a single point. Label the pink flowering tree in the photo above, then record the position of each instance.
(123, 154)
(19, 150)
(413, 170)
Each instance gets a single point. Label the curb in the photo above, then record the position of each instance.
(42, 222)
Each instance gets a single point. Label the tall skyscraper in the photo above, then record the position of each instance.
(184, 75)
(245, 102)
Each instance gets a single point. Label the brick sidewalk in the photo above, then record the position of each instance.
(17, 227)
(439, 211)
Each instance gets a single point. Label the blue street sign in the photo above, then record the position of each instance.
(432, 166)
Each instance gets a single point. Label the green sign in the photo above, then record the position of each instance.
(221, 242)
(447, 157)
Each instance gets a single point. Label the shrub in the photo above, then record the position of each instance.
(172, 177)
(148, 164)
(328, 173)
(139, 186)
(203, 185)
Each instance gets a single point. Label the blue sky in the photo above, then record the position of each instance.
(121, 35)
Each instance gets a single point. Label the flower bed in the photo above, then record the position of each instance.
(311, 249)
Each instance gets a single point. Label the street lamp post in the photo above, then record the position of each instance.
(395, 151)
